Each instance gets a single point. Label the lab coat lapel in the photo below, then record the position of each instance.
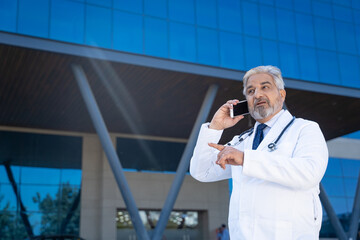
(276, 129)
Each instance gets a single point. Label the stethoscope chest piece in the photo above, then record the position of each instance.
(272, 147)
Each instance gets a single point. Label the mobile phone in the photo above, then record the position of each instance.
(241, 108)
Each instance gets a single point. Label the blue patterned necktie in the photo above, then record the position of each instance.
(259, 135)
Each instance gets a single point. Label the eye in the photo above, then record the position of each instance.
(250, 91)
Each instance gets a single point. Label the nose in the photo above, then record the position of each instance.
(258, 93)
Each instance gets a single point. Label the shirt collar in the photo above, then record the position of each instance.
(272, 121)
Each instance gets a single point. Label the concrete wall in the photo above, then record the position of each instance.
(101, 198)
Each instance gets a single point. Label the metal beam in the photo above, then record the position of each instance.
(339, 230)
(354, 222)
(184, 163)
(110, 152)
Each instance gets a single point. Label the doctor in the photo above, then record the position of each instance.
(275, 191)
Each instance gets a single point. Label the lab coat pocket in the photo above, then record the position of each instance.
(272, 229)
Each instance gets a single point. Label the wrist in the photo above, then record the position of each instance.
(214, 126)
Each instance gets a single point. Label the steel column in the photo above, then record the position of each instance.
(184, 163)
(332, 215)
(110, 152)
(354, 222)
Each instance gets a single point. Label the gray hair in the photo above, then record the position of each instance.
(271, 70)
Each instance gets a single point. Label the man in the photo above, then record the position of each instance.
(275, 190)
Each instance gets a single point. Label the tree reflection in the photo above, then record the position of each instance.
(11, 226)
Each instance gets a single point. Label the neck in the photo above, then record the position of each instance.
(264, 120)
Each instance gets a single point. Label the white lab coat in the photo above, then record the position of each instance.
(275, 194)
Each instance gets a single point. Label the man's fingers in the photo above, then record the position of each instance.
(217, 146)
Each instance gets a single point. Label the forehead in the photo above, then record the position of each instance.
(259, 78)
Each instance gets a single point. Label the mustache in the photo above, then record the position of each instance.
(261, 99)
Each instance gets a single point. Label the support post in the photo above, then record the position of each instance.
(339, 230)
(354, 222)
(110, 152)
(184, 163)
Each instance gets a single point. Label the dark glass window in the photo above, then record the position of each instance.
(252, 52)
(128, 32)
(98, 26)
(355, 4)
(350, 187)
(67, 21)
(135, 6)
(305, 30)
(229, 15)
(34, 18)
(345, 37)
(182, 11)
(342, 13)
(357, 33)
(149, 155)
(231, 51)
(356, 14)
(322, 9)
(268, 2)
(308, 64)
(157, 8)
(286, 25)
(206, 13)
(208, 46)
(105, 3)
(289, 60)
(284, 4)
(156, 37)
(334, 168)
(182, 42)
(324, 34)
(250, 13)
(328, 67)
(334, 186)
(8, 10)
(350, 168)
(349, 70)
(268, 22)
(302, 6)
(343, 2)
(270, 53)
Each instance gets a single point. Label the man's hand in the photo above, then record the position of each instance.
(228, 155)
(222, 119)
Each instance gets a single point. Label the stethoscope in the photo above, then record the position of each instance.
(272, 146)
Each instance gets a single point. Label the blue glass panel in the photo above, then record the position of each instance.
(324, 34)
(350, 168)
(356, 14)
(231, 51)
(349, 69)
(34, 17)
(128, 32)
(7, 197)
(286, 26)
(29, 192)
(156, 37)
(305, 30)
(355, 4)
(135, 6)
(182, 11)
(34, 175)
(3, 175)
(321, 9)
(157, 8)
(302, 6)
(268, 2)
(357, 36)
(345, 37)
(343, 2)
(208, 47)
(98, 26)
(71, 176)
(334, 186)
(328, 67)
(252, 52)
(105, 3)
(206, 13)
(8, 10)
(182, 42)
(35, 222)
(339, 205)
(289, 60)
(67, 21)
(284, 4)
(334, 168)
(350, 186)
(342, 13)
(354, 135)
(229, 15)
(308, 64)
(270, 53)
(250, 18)
(350, 203)
(267, 20)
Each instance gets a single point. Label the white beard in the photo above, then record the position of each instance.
(263, 111)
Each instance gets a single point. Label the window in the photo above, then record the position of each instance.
(289, 60)
(8, 10)
(156, 37)
(104, 3)
(34, 18)
(208, 47)
(206, 13)
(268, 22)
(156, 8)
(135, 6)
(349, 70)
(182, 11)
(270, 53)
(324, 34)
(322, 9)
(345, 37)
(229, 15)
(303, 6)
(286, 25)
(328, 67)
(98, 26)
(342, 13)
(305, 30)
(250, 15)
(182, 42)
(308, 64)
(231, 51)
(252, 52)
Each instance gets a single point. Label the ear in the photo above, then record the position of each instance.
(283, 94)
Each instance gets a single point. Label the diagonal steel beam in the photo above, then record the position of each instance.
(110, 152)
(339, 230)
(184, 163)
(355, 215)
